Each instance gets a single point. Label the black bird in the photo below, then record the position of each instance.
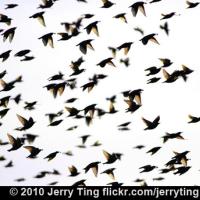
(6, 86)
(71, 100)
(154, 1)
(10, 164)
(4, 112)
(106, 61)
(11, 5)
(147, 168)
(47, 39)
(89, 86)
(64, 36)
(34, 151)
(193, 119)
(124, 124)
(79, 183)
(30, 105)
(165, 27)
(125, 61)
(5, 19)
(150, 37)
(16, 143)
(138, 6)
(92, 27)
(181, 170)
(111, 158)
(52, 116)
(72, 111)
(84, 45)
(39, 16)
(139, 147)
(30, 137)
(168, 136)
(107, 4)
(132, 106)
(73, 171)
(153, 80)
(125, 46)
(151, 125)
(27, 58)
(2, 74)
(56, 77)
(4, 101)
(5, 55)
(9, 34)
(26, 123)
(110, 173)
(153, 70)
(121, 16)
(93, 166)
(191, 4)
(87, 16)
(55, 123)
(22, 53)
(17, 98)
(46, 4)
(166, 62)
(167, 16)
(51, 156)
(113, 51)
(153, 150)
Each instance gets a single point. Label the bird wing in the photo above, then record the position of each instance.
(83, 48)
(22, 119)
(29, 148)
(156, 120)
(184, 162)
(50, 42)
(41, 20)
(106, 154)
(147, 122)
(153, 39)
(72, 169)
(95, 170)
(95, 30)
(166, 74)
(61, 90)
(112, 176)
(191, 117)
(11, 35)
(89, 46)
(142, 10)
(3, 83)
(12, 140)
(138, 99)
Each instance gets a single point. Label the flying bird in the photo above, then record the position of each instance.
(93, 166)
(138, 6)
(47, 39)
(151, 125)
(192, 4)
(121, 16)
(26, 124)
(51, 156)
(84, 45)
(150, 37)
(92, 27)
(34, 151)
(9, 34)
(39, 16)
(107, 4)
(193, 119)
(15, 142)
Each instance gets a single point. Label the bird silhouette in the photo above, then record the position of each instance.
(9, 34)
(147, 168)
(153, 70)
(39, 16)
(73, 171)
(192, 4)
(153, 150)
(182, 170)
(150, 37)
(121, 16)
(165, 28)
(107, 4)
(51, 156)
(5, 55)
(11, 5)
(47, 39)
(15, 142)
(138, 6)
(84, 45)
(193, 119)
(168, 15)
(125, 46)
(34, 151)
(26, 124)
(92, 27)
(111, 158)
(151, 125)
(168, 136)
(109, 172)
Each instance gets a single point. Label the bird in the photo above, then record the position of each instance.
(39, 16)
(138, 6)
(139, 147)
(4, 101)
(106, 61)
(30, 105)
(147, 168)
(56, 77)
(84, 45)
(154, 1)
(73, 171)
(154, 150)
(79, 183)
(9, 164)
(5, 55)
(51, 156)
(27, 58)
(92, 27)
(22, 53)
(30, 137)
(15, 142)
(121, 16)
(64, 36)
(168, 15)
(89, 86)
(26, 124)
(47, 39)
(168, 136)
(93, 166)
(181, 170)
(34, 151)
(113, 51)
(110, 173)
(125, 61)
(5, 19)
(125, 46)
(107, 4)
(55, 123)
(46, 4)
(165, 27)
(169, 78)
(140, 30)
(192, 4)
(72, 111)
(193, 119)
(153, 80)
(11, 5)
(150, 37)
(3, 73)
(9, 34)
(111, 158)
(153, 70)
(166, 62)
(4, 112)
(132, 106)
(151, 125)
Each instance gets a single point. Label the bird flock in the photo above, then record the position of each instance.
(73, 85)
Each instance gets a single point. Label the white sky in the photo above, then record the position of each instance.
(173, 102)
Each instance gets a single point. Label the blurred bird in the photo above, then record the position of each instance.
(138, 6)
(166, 62)
(4, 112)
(55, 123)
(182, 170)
(110, 173)
(121, 16)
(11, 5)
(107, 4)
(84, 45)
(47, 39)
(9, 34)
(56, 77)
(153, 70)
(147, 168)
(138, 29)
(51, 156)
(153, 80)
(150, 37)
(4, 101)
(2, 74)
(106, 61)
(125, 61)
(22, 52)
(30, 105)
(191, 4)
(26, 123)
(30, 137)
(113, 51)
(79, 183)
(5, 19)
(72, 111)
(125, 46)
(39, 16)
(168, 136)
(111, 158)
(153, 150)
(151, 125)
(165, 27)
(92, 27)
(10, 164)
(154, 1)
(16, 143)
(34, 151)
(93, 166)
(5, 55)
(73, 171)
(169, 15)
(193, 119)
